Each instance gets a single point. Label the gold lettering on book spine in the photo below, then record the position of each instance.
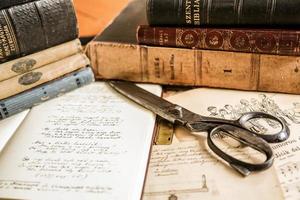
(192, 12)
(8, 41)
(196, 12)
(188, 11)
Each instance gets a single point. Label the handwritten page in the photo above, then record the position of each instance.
(187, 170)
(9, 126)
(88, 144)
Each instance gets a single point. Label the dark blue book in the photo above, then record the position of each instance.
(47, 91)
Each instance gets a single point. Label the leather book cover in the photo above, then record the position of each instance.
(115, 54)
(34, 26)
(9, 3)
(223, 13)
(59, 20)
(25, 100)
(28, 27)
(269, 41)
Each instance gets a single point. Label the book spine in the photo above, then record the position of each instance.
(42, 75)
(33, 61)
(272, 41)
(9, 3)
(220, 12)
(32, 27)
(47, 91)
(175, 66)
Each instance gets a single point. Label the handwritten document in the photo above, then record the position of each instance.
(187, 169)
(88, 144)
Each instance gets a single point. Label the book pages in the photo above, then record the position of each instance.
(88, 144)
(9, 126)
(188, 170)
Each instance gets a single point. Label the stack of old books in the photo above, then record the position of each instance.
(40, 55)
(246, 45)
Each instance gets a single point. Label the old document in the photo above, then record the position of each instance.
(88, 144)
(188, 170)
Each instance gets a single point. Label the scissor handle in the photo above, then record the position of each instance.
(248, 139)
(280, 136)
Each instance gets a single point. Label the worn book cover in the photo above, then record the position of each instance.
(26, 81)
(9, 3)
(115, 54)
(37, 95)
(34, 26)
(33, 61)
(248, 40)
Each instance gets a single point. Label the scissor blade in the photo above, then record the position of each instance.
(146, 99)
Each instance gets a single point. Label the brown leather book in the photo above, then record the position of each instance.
(115, 54)
(269, 41)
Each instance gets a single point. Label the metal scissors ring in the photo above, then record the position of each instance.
(235, 129)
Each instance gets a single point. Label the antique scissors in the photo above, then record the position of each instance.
(235, 129)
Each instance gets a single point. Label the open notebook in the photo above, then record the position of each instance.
(88, 144)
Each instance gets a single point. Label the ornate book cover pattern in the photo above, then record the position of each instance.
(270, 41)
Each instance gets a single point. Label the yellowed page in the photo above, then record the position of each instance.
(182, 168)
(88, 144)
(187, 171)
(9, 126)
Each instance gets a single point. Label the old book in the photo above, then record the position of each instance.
(187, 169)
(26, 100)
(33, 61)
(88, 144)
(9, 3)
(42, 75)
(250, 40)
(220, 12)
(115, 54)
(34, 26)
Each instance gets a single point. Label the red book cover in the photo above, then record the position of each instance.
(269, 41)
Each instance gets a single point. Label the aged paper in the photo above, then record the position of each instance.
(187, 170)
(9, 126)
(88, 144)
